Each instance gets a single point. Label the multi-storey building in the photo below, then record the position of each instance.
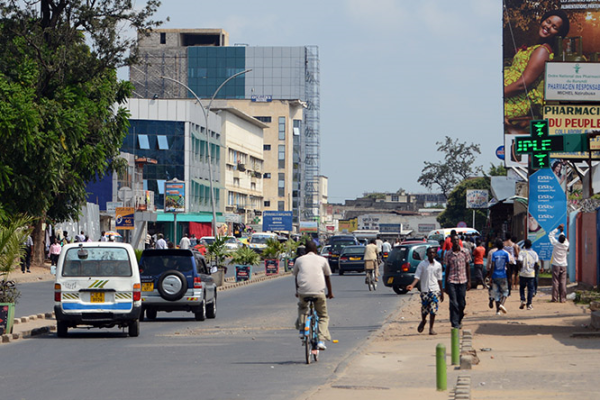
(282, 90)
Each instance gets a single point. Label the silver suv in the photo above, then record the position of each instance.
(177, 280)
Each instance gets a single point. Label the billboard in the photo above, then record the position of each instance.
(477, 198)
(175, 196)
(537, 33)
(275, 221)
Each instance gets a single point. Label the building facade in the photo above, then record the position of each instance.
(202, 60)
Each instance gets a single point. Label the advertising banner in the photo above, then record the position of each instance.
(390, 228)
(477, 198)
(243, 273)
(275, 221)
(124, 218)
(271, 267)
(175, 196)
(547, 210)
(536, 33)
(348, 225)
(574, 119)
(576, 81)
(308, 226)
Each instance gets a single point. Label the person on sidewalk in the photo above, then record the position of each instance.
(429, 272)
(529, 259)
(184, 243)
(54, 252)
(371, 258)
(478, 254)
(161, 243)
(311, 274)
(498, 262)
(513, 270)
(559, 264)
(26, 258)
(458, 280)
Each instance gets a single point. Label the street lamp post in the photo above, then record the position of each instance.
(205, 112)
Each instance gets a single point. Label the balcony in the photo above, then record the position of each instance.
(241, 167)
(257, 174)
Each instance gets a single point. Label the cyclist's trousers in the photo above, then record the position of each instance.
(372, 264)
(320, 308)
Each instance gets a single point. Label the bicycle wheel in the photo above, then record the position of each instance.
(369, 279)
(314, 330)
(308, 341)
(373, 283)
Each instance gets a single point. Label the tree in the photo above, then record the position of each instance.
(59, 128)
(456, 208)
(494, 170)
(458, 165)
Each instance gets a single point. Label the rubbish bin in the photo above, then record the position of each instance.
(7, 315)
(219, 275)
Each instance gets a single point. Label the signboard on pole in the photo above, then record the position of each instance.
(477, 198)
(547, 210)
(124, 218)
(175, 196)
(274, 221)
(309, 226)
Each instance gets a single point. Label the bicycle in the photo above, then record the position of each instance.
(310, 337)
(370, 279)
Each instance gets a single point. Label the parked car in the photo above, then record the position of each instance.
(401, 264)
(352, 259)
(97, 284)
(258, 241)
(177, 280)
(337, 243)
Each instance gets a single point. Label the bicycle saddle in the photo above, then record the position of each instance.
(307, 299)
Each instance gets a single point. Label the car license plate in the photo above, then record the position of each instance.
(354, 258)
(97, 297)
(147, 287)
(390, 280)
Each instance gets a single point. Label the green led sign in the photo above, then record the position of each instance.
(540, 144)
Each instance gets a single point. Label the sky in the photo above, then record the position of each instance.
(397, 76)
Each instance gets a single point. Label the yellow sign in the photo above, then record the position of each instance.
(349, 225)
(575, 119)
(124, 218)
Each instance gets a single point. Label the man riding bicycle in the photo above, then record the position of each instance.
(312, 273)
(372, 258)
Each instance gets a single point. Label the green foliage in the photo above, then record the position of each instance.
(456, 210)
(273, 250)
(499, 170)
(374, 196)
(289, 248)
(245, 256)
(138, 254)
(458, 165)
(58, 88)
(13, 234)
(216, 251)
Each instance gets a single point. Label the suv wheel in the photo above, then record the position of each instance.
(399, 289)
(134, 328)
(61, 329)
(211, 309)
(200, 313)
(172, 285)
(151, 313)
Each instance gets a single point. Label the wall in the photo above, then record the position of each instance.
(586, 248)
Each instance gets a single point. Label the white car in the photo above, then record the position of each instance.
(97, 284)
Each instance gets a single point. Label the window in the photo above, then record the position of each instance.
(163, 38)
(281, 128)
(161, 186)
(281, 185)
(267, 175)
(281, 156)
(267, 147)
(264, 119)
(163, 144)
(281, 206)
(236, 182)
(297, 127)
(395, 198)
(143, 142)
(267, 204)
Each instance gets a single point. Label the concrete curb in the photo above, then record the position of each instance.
(468, 357)
(40, 330)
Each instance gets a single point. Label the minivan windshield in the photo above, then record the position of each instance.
(260, 239)
(102, 261)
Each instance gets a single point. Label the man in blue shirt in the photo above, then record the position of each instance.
(497, 270)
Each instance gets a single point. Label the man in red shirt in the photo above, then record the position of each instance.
(448, 242)
(478, 254)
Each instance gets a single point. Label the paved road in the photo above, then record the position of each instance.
(250, 351)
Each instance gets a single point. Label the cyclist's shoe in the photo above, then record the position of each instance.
(321, 345)
(302, 334)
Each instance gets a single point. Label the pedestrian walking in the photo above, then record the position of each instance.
(478, 254)
(559, 264)
(54, 252)
(103, 237)
(498, 262)
(513, 270)
(80, 238)
(184, 243)
(429, 272)
(26, 258)
(458, 280)
(161, 243)
(529, 259)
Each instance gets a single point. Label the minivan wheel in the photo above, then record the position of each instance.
(62, 329)
(134, 328)
(399, 289)
(151, 313)
(200, 313)
(211, 309)
(172, 285)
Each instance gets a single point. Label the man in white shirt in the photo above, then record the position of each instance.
(160, 243)
(529, 258)
(312, 272)
(429, 272)
(184, 243)
(386, 247)
(559, 264)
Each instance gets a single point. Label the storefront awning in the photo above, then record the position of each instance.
(187, 217)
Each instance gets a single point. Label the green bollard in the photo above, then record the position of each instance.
(455, 347)
(440, 366)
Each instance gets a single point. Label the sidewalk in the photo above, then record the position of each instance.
(527, 354)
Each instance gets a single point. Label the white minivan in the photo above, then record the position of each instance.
(441, 234)
(97, 285)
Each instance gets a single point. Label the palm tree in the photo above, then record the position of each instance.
(13, 234)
